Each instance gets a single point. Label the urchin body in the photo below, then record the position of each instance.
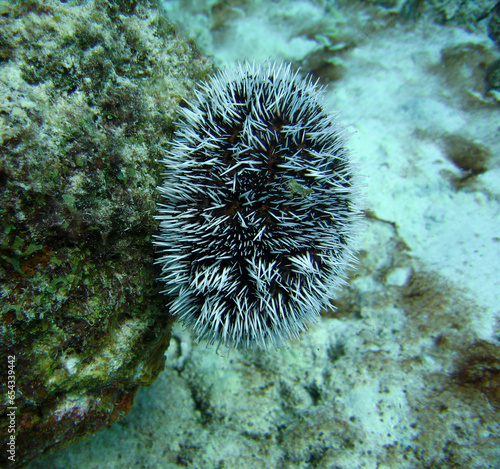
(259, 208)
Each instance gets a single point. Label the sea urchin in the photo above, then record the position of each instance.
(259, 207)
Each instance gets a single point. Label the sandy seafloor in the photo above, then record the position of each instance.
(405, 373)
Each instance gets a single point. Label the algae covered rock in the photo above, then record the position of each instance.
(466, 13)
(88, 93)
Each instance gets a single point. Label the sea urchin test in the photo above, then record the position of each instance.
(259, 207)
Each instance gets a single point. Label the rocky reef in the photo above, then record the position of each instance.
(405, 372)
(88, 92)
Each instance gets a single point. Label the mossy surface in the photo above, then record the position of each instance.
(88, 94)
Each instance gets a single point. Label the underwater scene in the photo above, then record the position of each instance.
(250, 234)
